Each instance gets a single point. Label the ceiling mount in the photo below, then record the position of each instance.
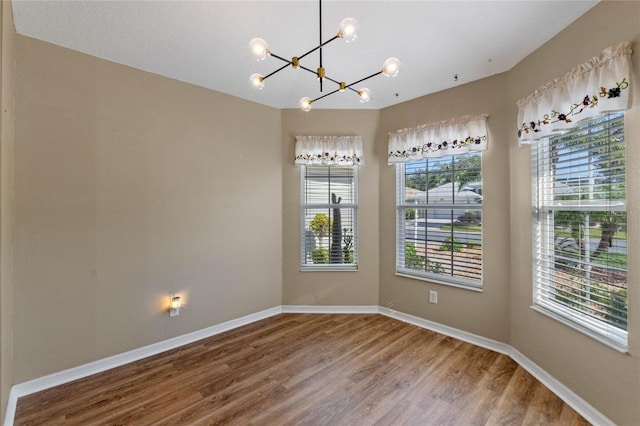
(348, 32)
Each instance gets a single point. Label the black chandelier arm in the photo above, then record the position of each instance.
(314, 73)
(310, 70)
(307, 53)
(319, 37)
(328, 78)
(339, 83)
(363, 79)
(332, 80)
(288, 61)
(321, 45)
(278, 70)
(324, 96)
(346, 87)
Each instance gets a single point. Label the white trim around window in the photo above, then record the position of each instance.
(439, 220)
(579, 229)
(328, 218)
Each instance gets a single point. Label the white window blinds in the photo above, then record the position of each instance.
(439, 219)
(579, 194)
(329, 201)
(580, 228)
(329, 218)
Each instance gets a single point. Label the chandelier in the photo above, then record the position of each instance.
(348, 32)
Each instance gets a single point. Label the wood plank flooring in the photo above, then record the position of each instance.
(308, 369)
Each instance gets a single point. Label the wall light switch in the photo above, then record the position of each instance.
(433, 296)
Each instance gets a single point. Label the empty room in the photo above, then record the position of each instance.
(319, 212)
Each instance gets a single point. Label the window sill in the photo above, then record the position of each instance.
(617, 341)
(471, 287)
(329, 268)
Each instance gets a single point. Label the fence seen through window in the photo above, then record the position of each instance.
(439, 219)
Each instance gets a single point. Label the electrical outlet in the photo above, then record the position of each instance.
(433, 296)
(174, 306)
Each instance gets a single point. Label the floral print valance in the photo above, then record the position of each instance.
(599, 86)
(457, 136)
(329, 150)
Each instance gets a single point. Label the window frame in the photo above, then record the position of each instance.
(542, 211)
(304, 266)
(401, 239)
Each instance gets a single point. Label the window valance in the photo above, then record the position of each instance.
(457, 136)
(329, 150)
(596, 87)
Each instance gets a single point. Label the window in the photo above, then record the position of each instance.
(439, 219)
(329, 212)
(580, 223)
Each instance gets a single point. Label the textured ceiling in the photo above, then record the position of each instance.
(206, 42)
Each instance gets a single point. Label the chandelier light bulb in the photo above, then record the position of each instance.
(364, 94)
(348, 30)
(305, 104)
(257, 81)
(259, 48)
(391, 67)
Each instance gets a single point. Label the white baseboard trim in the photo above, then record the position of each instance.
(12, 403)
(585, 409)
(310, 309)
(567, 395)
(66, 376)
(483, 342)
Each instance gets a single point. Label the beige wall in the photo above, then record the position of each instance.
(126, 191)
(485, 313)
(609, 380)
(7, 119)
(130, 187)
(331, 288)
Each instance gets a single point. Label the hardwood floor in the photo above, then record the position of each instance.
(308, 369)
